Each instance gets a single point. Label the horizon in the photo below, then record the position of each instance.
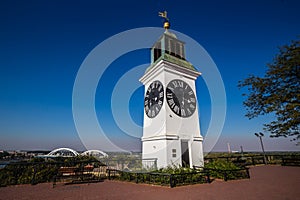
(205, 153)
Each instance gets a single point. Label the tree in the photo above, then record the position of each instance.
(278, 92)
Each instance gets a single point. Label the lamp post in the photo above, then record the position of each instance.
(260, 135)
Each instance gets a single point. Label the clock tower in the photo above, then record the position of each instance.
(171, 132)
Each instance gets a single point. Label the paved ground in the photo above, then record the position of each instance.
(267, 182)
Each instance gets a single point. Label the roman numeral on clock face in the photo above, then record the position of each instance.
(169, 95)
(161, 94)
(160, 88)
(176, 109)
(160, 102)
(192, 106)
(171, 103)
(177, 83)
(183, 112)
(180, 84)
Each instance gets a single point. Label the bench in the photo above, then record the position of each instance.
(72, 175)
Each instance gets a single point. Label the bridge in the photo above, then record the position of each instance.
(67, 152)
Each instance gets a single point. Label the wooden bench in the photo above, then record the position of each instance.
(72, 175)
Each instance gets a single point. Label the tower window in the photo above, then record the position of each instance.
(157, 51)
(177, 50)
(173, 47)
(182, 52)
(174, 153)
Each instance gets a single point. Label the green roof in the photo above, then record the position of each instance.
(175, 60)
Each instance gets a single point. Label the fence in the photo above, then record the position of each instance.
(199, 175)
(38, 172)
(81, 172)
(247, 160)
(232, 174)
(131, 164)
(290, 162)
(68, 172)
(164, 179)
(88, 171)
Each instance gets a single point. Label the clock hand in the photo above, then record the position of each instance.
(187, 100)
(183, 99)
(182, 102)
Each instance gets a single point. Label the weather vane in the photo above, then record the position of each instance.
(164, 15)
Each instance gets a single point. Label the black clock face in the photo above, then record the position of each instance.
(181, 98)
(154, 99)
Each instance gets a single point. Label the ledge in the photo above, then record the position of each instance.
(161, 137)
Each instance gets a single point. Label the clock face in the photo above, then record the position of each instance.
(154, 99)
(181, 98)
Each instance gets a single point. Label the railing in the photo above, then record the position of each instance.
(38, 172)
(290, 162)
(164, 179)
(247, 160)
(131, 164)
(190, 178)
(232, 174)
(149, 164)
(81, 172)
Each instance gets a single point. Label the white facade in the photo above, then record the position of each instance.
(167, 136)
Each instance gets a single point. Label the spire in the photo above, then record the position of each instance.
(166, 19)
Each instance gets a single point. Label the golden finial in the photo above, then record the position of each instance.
(164, 15)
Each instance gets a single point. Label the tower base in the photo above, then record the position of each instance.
(173, 151)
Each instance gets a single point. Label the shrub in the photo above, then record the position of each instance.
(225, 170)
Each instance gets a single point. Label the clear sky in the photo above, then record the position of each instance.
(43, 45)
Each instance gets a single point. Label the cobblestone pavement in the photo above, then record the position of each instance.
(266, 182)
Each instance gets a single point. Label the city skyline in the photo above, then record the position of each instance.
(43, 45)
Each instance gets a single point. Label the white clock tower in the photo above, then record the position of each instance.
(171, 132)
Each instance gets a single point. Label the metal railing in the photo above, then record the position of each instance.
(131, 164)
(39, 172)
(229, 174)
(290, 162)
(164, 179)
(248, 160)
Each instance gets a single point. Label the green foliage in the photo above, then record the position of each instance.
(164, 176)
(174, 169)
(277, 93)
(37, 170)
(71, 160)
(27, 173)
(223, 169)
(221, 165)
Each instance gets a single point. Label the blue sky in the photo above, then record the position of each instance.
(43, 44)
